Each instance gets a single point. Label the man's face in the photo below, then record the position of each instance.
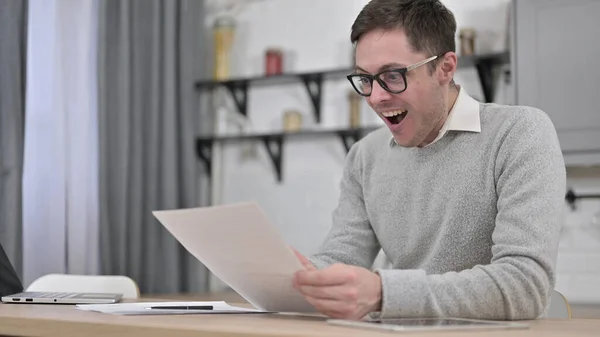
(421, 107)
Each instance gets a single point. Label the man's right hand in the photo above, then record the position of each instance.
(339, 291)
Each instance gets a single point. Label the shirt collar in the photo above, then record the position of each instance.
(464, 116)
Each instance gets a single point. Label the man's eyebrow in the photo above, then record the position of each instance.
(357, 68)
(383, 67)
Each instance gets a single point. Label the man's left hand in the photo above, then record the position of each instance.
(341, 291)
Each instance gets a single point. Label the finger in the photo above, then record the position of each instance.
(305, 262)
(343, 293)
(330, 276)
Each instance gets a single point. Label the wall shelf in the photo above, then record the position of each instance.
(313, 81)
(571, 197)
(485, 65)
(274, 142)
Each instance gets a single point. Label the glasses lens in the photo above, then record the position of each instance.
(394, 81)
(362, 84)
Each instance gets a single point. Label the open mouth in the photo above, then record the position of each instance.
(395, 117)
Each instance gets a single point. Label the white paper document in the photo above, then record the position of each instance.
(167, 308)
(240, 246)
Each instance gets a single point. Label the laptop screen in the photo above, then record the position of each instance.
(9, 280)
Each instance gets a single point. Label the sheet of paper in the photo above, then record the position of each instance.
(144, 308)
(240, 246)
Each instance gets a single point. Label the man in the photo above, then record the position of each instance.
(9, 280)
(465, 198)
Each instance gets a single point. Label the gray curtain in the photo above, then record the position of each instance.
(149, 56)
(13, 37)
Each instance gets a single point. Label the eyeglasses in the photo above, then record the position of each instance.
(391, 80)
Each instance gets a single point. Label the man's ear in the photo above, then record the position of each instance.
(447, 67)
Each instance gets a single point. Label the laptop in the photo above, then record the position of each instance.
(37, 297)
(11, 290)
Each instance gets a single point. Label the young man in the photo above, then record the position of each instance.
(466, 199)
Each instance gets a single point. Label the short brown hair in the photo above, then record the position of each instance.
(429, 26)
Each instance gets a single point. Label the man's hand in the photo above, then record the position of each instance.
(339, 291)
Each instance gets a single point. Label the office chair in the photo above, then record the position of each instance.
(559, 306)
(86, 283)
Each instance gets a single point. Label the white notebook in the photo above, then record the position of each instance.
(241, 247)
(167, 308)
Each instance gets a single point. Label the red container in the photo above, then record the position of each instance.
(273, 62)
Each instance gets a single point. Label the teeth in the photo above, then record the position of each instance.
(393, 113)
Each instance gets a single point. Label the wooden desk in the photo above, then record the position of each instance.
(62, 320)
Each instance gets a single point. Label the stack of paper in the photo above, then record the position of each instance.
(167, 308)
(240, 246)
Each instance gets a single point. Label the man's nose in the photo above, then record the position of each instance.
(378, 94)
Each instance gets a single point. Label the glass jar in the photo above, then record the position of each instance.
(292, 121)
(223, 34)
(354, 101)
(467, 41)
(273, 62)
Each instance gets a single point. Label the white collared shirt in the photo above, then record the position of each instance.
(464, 116)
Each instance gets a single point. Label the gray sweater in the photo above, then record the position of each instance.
(470, 223)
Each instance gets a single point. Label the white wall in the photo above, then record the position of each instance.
(579, 255)
(315, 35)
